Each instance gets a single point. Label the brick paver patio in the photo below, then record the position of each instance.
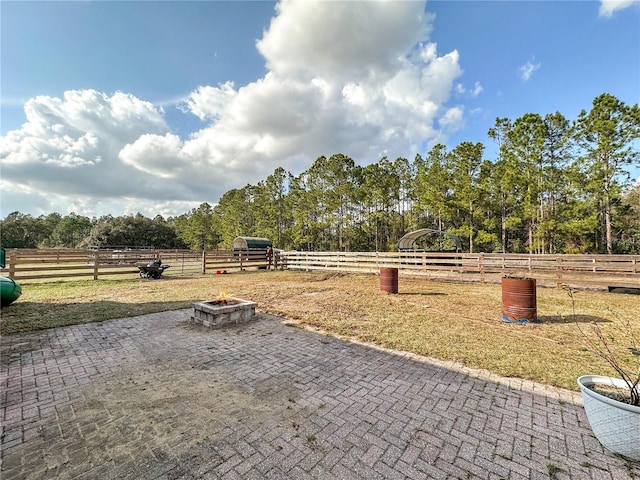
(156, 397)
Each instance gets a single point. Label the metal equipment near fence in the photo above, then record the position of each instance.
(152, 269)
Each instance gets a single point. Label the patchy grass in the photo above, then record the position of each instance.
(450, 321)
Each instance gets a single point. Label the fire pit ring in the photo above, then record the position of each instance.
(221, 313)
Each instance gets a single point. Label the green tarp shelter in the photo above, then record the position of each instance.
(251, 243)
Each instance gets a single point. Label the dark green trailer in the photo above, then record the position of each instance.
(251, 243)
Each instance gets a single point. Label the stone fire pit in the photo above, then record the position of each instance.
(220, 313)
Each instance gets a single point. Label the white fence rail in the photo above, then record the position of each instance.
(585, 271)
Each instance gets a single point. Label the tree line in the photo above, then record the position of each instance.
(556, 186)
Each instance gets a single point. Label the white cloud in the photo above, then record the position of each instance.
(527, 70)
(342, 40)
(609, 7)
(369, 89)
(477, 89)
(69, 147)
(460, 89)
(78, 130)
(452, 120)
(154, 154)
(374, 86)
(208, 103)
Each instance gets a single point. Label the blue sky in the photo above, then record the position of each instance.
(156, 107)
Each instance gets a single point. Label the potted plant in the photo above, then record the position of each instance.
(612, 405)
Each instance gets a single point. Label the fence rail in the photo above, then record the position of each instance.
(583, 271)
(73, 264)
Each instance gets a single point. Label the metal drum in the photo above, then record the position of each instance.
(519, 302)
(389, 280)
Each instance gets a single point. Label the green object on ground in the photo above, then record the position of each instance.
(10, 290)
(251, 243)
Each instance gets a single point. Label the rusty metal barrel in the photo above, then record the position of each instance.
(519, 300)
(389, 280)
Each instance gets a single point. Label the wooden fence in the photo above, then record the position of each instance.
(581, 271)
(72, 264)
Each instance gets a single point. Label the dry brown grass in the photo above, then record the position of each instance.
(460, 322)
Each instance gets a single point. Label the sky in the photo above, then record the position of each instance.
(156, 107)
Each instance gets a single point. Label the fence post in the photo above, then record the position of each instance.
(558, 271)
(12, 263)
(204, 261)
(96, 264)
(481, 266)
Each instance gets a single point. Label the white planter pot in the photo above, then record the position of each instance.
(615, 424)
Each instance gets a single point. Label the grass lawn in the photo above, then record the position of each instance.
(449, 321)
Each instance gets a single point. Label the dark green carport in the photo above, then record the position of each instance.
(251, 243)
